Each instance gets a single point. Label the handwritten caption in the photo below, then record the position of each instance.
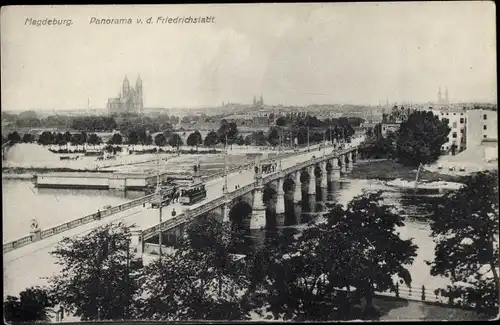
(161, 20)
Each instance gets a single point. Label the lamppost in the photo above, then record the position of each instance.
(160, 208)
(308, 138)
(225, 167)
(281, 141)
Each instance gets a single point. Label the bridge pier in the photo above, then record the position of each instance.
(258, 218)
(342, 163)
(323, 179)
(297, 194)
(225, 212)
(311, 189)
(335, 171)
(137, 241)
(349, 162)
(280, 202)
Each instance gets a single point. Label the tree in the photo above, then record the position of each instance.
(273, 137)
(149, 140)
(99, 274)
(175, 140)
(14, 137)
(201, 279)
(33, 304)
(160, 140)
(240, 141)
(116, 139)
(76, 139)
(211, 139)
(67, 137)
(46, 138)
(356, 248)
(94, 139)
(194, 139)
(28, 138)
(59, 139)
(420, 138)
(465, 229)
(133, 138)
(227, 130)
(281, 121)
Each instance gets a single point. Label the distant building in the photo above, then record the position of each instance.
(457, 121)
(443, 102)
(389, 127)
(129, 100)
(482, 132)
(258, 103)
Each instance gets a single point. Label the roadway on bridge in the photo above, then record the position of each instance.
(28, 265)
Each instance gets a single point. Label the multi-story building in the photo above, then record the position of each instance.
(129, 100)
(482, 132)
(457, 121)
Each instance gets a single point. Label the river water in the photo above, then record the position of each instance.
(22, 202)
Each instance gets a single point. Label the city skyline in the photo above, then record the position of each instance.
(297, 54)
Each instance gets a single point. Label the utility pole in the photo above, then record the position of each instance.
(308, 138)
(160, 207)
(127, 308)
(225, 167)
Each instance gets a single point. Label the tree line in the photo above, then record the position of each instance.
(418, 139)
(328, 271)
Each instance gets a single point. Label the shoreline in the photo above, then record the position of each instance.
(389, 170)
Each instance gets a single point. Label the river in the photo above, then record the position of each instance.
(22, 202)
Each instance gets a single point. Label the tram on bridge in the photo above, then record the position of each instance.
(192, 193)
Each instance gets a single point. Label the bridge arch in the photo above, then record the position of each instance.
(240, 214)
(289, 184)
(304, 176)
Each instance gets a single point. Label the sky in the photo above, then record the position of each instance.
(292, 54)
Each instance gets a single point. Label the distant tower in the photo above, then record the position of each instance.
(440, 98)
(261, 100)
(138, 95)
(446, 100)
(254, 100)
(125, 87)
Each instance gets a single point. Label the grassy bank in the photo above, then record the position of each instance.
(390, 170)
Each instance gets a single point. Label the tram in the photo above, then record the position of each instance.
(192, 193)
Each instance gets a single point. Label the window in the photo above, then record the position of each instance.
(462, 120)
(485, 127)
(461, 113)
(462, 131)
(447, 139)
(454, 124)
(485, 117)
(454, 135)
(446, 113)
(454, 113)
(484, 136)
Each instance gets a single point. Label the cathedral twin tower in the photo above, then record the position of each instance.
(129, 100)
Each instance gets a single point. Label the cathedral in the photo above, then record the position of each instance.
(258, 103)
(129, 100)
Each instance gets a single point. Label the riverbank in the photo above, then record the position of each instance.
(18, 172)
(389, 170)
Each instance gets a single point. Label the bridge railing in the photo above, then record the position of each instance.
(7, 247)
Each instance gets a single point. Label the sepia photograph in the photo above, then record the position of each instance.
(250, 162)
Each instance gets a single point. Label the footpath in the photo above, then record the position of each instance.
(402, 309)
